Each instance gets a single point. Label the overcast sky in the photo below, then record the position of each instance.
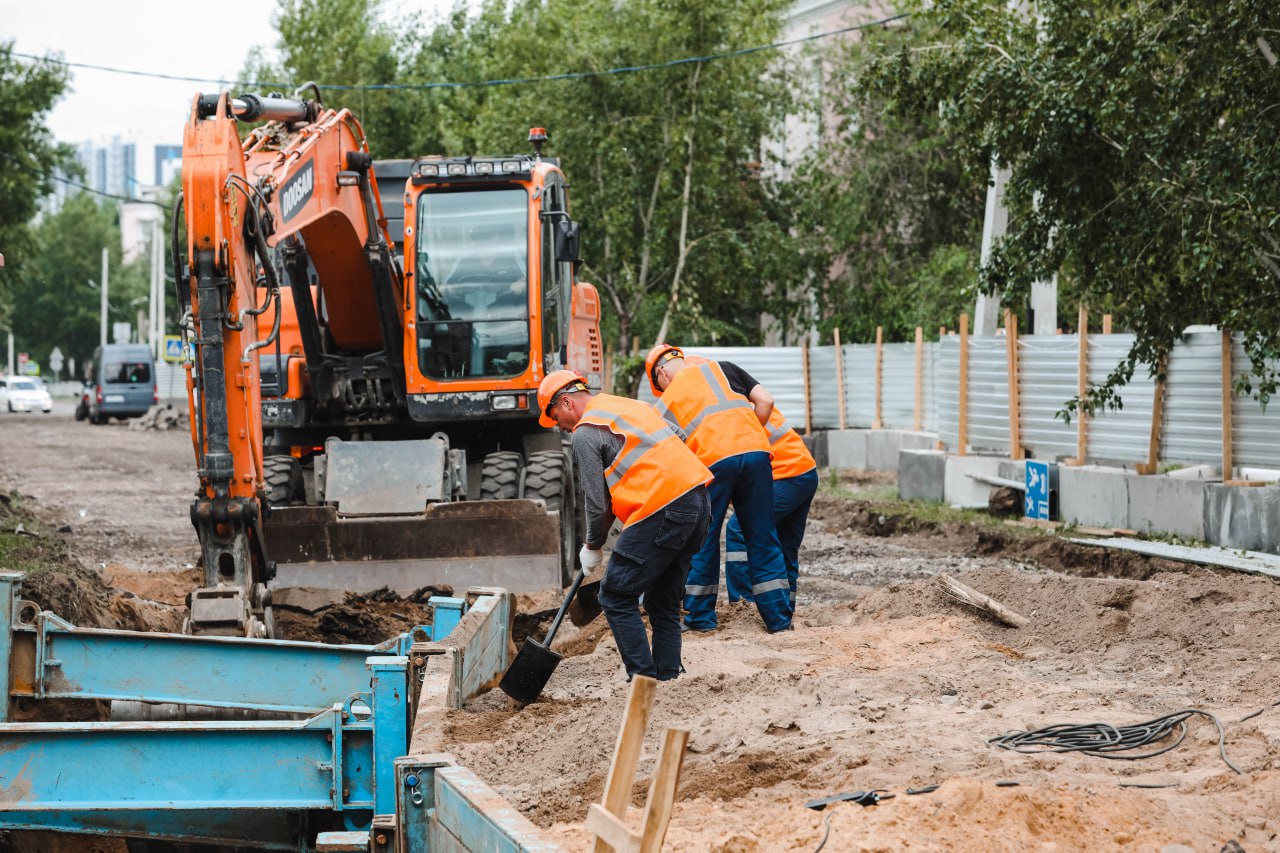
(203, 40)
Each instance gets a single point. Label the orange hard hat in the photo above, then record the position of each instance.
(551, 386)
(656, 356)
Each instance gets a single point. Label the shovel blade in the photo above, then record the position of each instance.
(529, 672)
(585, 606)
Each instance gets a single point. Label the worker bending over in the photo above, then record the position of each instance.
(723, 429)
(795, 482)
(657, 488)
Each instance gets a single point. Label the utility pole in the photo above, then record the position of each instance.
(102, 326)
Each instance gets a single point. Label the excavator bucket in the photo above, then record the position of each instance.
(389, 520)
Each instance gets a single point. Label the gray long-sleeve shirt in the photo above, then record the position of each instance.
(594, 449)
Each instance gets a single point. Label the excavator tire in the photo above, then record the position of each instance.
(500, 476)
(549, 478)
(283, 478)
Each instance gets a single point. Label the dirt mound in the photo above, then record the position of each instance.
(365, 619)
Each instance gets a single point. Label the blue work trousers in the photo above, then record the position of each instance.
(791, 499)
(744, 481)
(651, 559)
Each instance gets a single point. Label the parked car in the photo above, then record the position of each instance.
(24, 394)
(124, 382)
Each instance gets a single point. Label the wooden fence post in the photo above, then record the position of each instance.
(1015, 407)
(1082, 385)
(1106, 324)
(962, 438)
(878, 423)
(808, 399)
(919, 410)
(840, 377)
(1228, 393)
(1157, 422)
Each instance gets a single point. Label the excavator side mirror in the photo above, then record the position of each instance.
(568, 240)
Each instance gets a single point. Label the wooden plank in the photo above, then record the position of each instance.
(1106, 324)
(878, 422)
(987, 604)
(1082, 386)
(662, 790)
(1015, 406)
(610, 829)
(1250, 483)
(1228, 395)
(919, 409)
(808, 399)
(840, 378)
(963, 426)
(626, 753)
(480, 819)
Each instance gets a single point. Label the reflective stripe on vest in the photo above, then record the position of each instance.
(717, 421)
(653, 468)
(790, 456)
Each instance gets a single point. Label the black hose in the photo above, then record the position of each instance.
(1106, 741)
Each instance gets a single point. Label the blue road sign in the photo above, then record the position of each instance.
(1037, 505)
(172, 348)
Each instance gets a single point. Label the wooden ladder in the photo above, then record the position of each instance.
(607, 819)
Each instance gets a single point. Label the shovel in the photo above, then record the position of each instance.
(585, 606)
(532, 668)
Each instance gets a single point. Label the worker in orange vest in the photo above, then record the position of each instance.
(795, 482)
(633, 466)
(725, 432)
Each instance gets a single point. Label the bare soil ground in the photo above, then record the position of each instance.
(886, 683)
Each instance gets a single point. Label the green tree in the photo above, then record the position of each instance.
(899, 220)
(1144, 157)
(54, 303)
(345, 45)
(29, 156)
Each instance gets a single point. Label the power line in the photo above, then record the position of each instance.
(76, 184)
(571, 75)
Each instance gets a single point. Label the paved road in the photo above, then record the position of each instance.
(124, 492)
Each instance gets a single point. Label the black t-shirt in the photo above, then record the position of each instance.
(739, 380)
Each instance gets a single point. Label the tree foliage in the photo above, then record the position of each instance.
(54, 302)
(1143, 149)
(899, 217)
(29, 156)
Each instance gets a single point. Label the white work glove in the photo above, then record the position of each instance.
(590, 559)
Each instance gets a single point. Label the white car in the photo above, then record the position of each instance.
(23, 394)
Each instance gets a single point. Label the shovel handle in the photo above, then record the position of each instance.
(555, 625)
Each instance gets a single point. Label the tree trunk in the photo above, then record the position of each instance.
(683, 244)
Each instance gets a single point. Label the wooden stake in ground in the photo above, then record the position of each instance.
(607, 820)
(985, 603)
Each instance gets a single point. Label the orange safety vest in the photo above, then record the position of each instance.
(653, 468)
(790, 457)
(718, 422)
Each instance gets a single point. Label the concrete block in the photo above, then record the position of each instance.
(817, 444)
(847, 448)
(1167, 505)
(1093, 496)
(1013, 469)
(1242, 517)
(883, 446)
(961, 490)
(921, 474)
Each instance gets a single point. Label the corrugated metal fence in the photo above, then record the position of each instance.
(1191, 428)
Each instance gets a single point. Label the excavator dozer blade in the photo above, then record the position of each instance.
(513, 544)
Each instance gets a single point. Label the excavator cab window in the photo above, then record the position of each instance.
(555, 281)
(473, 283)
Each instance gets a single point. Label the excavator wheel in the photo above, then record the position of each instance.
(500, 476)
(283, 478)
(549, 478)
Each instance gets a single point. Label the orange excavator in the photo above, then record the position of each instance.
(363, 362)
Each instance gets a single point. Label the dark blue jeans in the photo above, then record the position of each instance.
(791, 499)
(651, 558)
(746, 482)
